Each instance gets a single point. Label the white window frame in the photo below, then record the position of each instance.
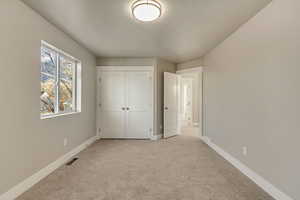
(77, 83)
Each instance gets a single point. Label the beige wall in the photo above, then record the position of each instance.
(161, 67)
(125, 61)
(28, 144)
(190, 64)
(252, 94)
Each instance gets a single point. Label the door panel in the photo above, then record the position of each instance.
(112, 104)
(138, 126)
(139, 104)
(112, 90)
(170, 104)
(113, 124)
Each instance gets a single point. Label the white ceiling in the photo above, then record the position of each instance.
(187, 29)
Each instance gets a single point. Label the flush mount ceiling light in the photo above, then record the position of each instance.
(146, 10)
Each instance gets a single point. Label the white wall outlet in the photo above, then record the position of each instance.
(65, 142)
(245, 151)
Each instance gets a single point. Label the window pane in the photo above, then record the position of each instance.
(67, 67)
(47, 97)
(66, 96)
(66, 89)
(48, 61)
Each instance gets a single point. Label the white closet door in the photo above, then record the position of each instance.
(112, 104)
(139, 105)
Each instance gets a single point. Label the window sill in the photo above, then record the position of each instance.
(58, 115)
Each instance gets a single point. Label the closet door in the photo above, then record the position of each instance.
(112, 104)
(139, 105)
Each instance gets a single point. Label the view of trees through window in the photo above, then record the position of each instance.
(57, 82)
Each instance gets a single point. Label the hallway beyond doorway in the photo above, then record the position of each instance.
(191, 131)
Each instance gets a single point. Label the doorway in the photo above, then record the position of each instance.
(183, 93)
(186, 105)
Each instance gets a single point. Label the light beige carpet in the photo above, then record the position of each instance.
(179, 168)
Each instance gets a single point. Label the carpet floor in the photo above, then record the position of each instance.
(178, 168)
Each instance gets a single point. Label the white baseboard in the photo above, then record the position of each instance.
(153, 137)
(260, 181)
(32, 180)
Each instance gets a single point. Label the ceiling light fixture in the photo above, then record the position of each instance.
(146, 10)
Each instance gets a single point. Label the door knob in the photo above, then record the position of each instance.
(123, 108)
(128, 108)
(166, 108)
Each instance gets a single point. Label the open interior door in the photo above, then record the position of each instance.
(171, 94)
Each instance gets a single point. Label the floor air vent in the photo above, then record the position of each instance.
(72, 161)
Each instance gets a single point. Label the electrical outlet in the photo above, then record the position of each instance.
(65, 142)
(245, 151)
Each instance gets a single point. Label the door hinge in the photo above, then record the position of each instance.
(100, 80)
(99, 130)
(99, 105)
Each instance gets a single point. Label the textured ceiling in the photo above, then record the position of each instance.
(187, 29)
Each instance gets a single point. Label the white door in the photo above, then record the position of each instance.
(139, 105)
(112, 89)
(125, 109)
(170, 104)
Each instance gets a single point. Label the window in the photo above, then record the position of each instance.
(60, 82)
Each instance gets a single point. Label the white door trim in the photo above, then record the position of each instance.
(195, 69)
(125, 68)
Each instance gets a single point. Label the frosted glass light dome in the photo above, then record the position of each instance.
(146, 10)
